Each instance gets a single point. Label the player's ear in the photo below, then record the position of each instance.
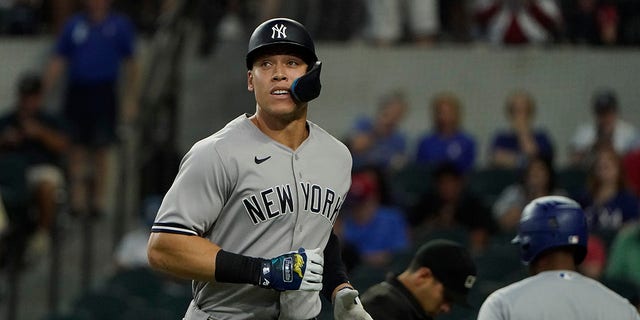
(249, 81)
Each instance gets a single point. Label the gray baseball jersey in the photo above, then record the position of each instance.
(557, 294)
(254, 196)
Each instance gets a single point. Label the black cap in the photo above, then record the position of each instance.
(605, 101)
(281, 34)
(450, 264)
(29, 84)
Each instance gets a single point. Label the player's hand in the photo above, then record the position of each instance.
(347, 306)
(301, 270)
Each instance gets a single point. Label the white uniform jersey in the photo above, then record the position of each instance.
(557, 294)
(254, 196)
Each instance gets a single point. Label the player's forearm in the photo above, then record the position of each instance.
(188, 257)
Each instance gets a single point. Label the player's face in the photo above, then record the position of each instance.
(270, 80)
(431, 295)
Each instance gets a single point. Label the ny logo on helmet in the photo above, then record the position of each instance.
(278, 31)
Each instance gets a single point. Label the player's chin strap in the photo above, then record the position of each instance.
(307, 87)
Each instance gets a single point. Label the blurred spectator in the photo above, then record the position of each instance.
(607, 130)
(591, 22)
(377, 230)
(40, 139)
(379, 141)
(624, 258)
(537, 180)
(92, 47)
(447, 142)
(513, 22)
(452, 206)
(388, 18)
(514, 147)
(608, 204)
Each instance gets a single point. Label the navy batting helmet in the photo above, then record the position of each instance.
(283, 32)
(551, 222)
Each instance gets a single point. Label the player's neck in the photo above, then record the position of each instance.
(289, 133)
(553, 261)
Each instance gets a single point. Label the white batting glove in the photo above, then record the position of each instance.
(312, 280)
(347, 306)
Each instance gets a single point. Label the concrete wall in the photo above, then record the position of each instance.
(353, 77)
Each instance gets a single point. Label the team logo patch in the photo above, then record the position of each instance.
(287, 270)
(278, 31)
(468, 283)
(574, 239)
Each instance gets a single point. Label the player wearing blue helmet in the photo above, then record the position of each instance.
(552, 237)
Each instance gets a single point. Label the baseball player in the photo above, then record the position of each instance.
(552, 237)
(249, 216)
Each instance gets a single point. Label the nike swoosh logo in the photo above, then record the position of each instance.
(259, 161)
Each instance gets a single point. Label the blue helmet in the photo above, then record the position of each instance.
(551, 222)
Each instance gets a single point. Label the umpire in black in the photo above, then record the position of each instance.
(440, 274)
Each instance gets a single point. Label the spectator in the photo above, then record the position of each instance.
(591, 22)
(514, 147)
(387, 18)
(92, 47)
(537, 180)
(451, 207)
(608, 204)
(516, 22)
(379, 141)
(607, 130)
(441, 273)
(377, 230)
(447, 142)
(40, 139)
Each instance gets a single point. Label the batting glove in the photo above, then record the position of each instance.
(347, 306)
(301, 270)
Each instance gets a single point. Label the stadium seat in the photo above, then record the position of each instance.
(488, 183)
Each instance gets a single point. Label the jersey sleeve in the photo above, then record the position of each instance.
(197, 195)
(491, 308)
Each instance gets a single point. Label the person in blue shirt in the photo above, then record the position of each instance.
(376, 228)
(447, 142)
(378, 141)
(513, 147)
(92, 48)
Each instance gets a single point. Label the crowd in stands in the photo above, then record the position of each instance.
(480, 204)
(377, 22)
